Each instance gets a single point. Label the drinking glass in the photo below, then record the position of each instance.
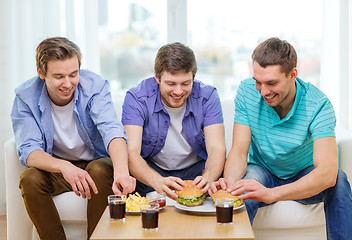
(150, 216)
(117, 207)
(224, 211)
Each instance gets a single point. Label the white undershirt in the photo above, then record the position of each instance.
(176, 154)
(68, 144)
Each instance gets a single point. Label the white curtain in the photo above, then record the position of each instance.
(23, 25)
(336, 59)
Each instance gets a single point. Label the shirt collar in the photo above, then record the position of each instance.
(44, 99)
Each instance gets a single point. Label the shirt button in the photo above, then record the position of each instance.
(153, 90)
(149, 142)
(165, 121)
(162, 139)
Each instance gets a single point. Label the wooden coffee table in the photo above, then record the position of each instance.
(175, 224)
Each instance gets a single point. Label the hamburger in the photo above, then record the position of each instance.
(191, 195)
(222, 194)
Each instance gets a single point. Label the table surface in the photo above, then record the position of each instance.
(175, 224)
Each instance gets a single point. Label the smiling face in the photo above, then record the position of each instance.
(175, 88)
(61, 79)
(277, 88)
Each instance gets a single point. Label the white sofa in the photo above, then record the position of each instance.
(282, 220)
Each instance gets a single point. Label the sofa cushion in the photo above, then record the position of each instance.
(289, 214)
(75, 211)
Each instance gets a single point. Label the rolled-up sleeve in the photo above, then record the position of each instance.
(28, 135)
(132, 111)
(212, 109)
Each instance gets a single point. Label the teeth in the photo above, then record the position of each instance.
(66, 91)
(269, 97)
(177, 97)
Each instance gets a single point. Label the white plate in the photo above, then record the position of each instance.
(206, 207)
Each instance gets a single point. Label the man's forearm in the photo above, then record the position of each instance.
(235, 168)
(119, 156)
(140, 169)
(44, 161)
(214, 166)
(325, 157)
(311, 184)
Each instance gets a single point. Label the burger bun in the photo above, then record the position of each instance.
(189, 192)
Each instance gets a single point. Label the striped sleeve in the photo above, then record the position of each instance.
(241, 113)
(324, 120)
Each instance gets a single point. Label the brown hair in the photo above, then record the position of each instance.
(175, 58)
(56, 48)
(274, 51)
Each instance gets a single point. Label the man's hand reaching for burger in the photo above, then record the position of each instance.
(202, 183)
(215, 186)
(167, 185)
(244, 189)
(252, 189)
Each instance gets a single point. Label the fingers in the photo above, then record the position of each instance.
(84, 188)
(223, 184)
(124, 185)
(80, 185)
(80, 181)
(250, 189)
(116, 190)
(75, 190)
(179, 181)
(213, 188)
(174, 183)
(169, 192)
(202, 182)
(128, 185)
(168, 185)
(92, 184)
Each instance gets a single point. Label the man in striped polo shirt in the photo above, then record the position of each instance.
(284, 143)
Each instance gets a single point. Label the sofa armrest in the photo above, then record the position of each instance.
(19, 225)
(344, 141)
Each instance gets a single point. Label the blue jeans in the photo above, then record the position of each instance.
(189, 173)
(337, 200)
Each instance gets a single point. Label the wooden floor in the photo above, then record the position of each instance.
(3, 227)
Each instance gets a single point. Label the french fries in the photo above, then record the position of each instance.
(134, 200)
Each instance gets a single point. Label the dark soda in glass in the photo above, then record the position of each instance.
(117, 210)
(224, 213)
(150, 219)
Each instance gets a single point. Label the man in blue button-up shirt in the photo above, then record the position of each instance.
(67, 133)
(175, 126)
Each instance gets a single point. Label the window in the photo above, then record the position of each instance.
(130, 34)
(222, 33)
